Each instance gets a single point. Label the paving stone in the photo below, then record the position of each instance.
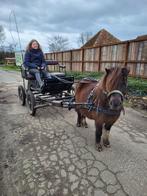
(74, 186)
(84, 182)
(63, 173)
(108, 177)
(87, 156)
(41, 192)
(52, 191)
(93, 172)
(26, 166)
(49, 185)
(92, 179)
(42, 184)
(64, 154)
(99, 184)
(99, 193)
(71, 168)
(41, 179)
(112, 189)
(57, 182)
(67, 161)
(53, 158)
(77, 171)
(99, 165)
(89, 162)
(32, 185)
(72, 177)
(120, 193)
(65, 191)
(80, 164)
(27, 171)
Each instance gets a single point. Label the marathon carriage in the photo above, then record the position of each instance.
(58, 89)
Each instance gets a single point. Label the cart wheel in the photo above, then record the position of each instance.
(21, 95)
(31, 103)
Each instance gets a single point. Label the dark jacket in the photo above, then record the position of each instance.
(34, 58)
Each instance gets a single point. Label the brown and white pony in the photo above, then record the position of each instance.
(105, 98)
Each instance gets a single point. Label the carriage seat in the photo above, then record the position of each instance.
(25, 73)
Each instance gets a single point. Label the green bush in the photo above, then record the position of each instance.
(137, 86)
(80, 75)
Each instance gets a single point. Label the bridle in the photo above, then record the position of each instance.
(99, 109)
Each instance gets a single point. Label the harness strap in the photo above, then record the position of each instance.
(90, 104)
(91, 107)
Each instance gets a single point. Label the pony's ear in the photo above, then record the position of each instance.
(125, 71)
(107, 70)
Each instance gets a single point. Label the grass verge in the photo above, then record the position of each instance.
(9, 68)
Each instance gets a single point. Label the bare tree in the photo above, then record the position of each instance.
(84, 37)
(58, 43)
(11, 47)
(2, 35)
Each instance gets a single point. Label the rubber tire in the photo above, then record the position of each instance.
(31, 103)
(21, 95)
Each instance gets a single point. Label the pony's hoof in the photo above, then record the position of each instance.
(78, 125)
(107, 145)
(86, 126)
(99, 147)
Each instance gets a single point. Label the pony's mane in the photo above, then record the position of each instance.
(115, 73)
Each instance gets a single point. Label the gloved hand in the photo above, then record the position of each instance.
(40, 67)
(43, 66)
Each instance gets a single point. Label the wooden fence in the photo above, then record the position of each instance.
(132, 53)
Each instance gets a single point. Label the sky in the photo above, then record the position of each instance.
(40, 19)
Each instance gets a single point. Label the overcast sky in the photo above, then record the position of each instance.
(125, 19)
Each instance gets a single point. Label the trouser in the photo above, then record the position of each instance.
(38, 73)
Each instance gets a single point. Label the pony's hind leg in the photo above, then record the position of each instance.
(106, 135)
(81, 120)
(98, 134)
(84, 123)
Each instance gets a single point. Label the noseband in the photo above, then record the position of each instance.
(115, 92)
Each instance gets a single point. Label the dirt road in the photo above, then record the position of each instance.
(48, 155)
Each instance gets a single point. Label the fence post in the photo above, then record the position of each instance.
(82, 60)
(99, 61)
(70, 60)
(62, 58)
(126, 54)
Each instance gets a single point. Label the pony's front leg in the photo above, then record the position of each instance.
(98, 134)
(79, 119)
(106, 135)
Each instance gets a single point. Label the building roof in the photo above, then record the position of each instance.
(100, 38)
(141, 37)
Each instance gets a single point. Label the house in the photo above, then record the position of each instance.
(101, 38)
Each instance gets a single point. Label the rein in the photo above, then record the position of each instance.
(92, 107)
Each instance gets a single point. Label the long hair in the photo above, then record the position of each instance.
(30, 44)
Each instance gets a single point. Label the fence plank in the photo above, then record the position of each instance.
(131, 53)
